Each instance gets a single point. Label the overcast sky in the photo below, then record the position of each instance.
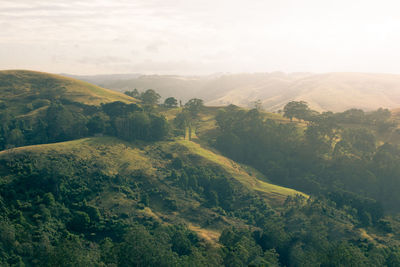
(199, 36)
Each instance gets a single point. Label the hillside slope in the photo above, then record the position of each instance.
(86, 199)
(24, 87)
(116, 156)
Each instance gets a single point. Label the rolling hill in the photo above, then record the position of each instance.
(116, 156)
(119, 184)
(119, 174)
(21, 87)
(330, 91)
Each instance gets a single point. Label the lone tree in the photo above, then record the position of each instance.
(194, 106)
(171, 102)
(150, 97)
(186, 119)
(296, 109)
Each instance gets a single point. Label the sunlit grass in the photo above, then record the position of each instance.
(276, 194)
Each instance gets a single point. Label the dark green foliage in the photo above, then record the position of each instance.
(63, 124)
(177, 163)
(297, 109)
(171, 102)
(73, 252)
(46, 219)
(142, 126)
(15, 137)
(150, 97)
(115, 109)
(194, 106)
(65, 120)
(98, 123)
(135, 93)
(80, 221)
(188, 117)
(326, 158)
(140, 248)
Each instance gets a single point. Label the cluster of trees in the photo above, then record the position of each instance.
(186, 120)
(324, 157)
(64, 120)
(152, 98)
(129, 122)
(380, 118)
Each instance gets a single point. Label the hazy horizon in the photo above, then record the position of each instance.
(195, 38)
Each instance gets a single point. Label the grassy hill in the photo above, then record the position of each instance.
(115, 156)
(102, 189)
(20, 89)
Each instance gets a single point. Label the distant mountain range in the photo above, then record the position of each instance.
(329, 91)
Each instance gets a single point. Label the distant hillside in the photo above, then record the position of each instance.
(102, 77)
(331, 91)
(23, 87)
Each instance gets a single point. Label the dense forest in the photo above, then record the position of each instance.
(64, 120)
(333, 154)
(50, 202)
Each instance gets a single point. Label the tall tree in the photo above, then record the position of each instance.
(296, 109)
(171, 102)
(194, 106)
(150, 97)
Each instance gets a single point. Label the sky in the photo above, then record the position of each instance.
(200, 36)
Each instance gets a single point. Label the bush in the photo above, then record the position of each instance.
(80, 221)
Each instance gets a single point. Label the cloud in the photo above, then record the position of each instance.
(105, 60)
(155, 46)
(176, 35)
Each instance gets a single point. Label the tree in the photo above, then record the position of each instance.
(119, 108)
(182, 121)
(59, 120)
(80, 221)
(132, 127)
(150, 97)
(171, 102)
(135, 93)
(159, 127)
(16, 137)
(352, 116)
(258, 105)
(194, 106)
(98, 123)
(379, 115)
(360, 142)
(296, 109)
